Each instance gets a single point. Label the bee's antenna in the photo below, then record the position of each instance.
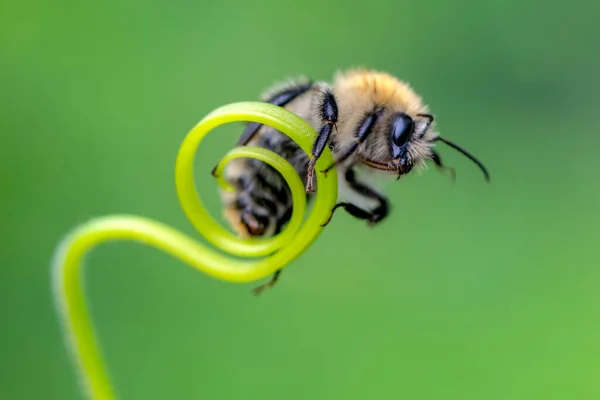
(468, 155)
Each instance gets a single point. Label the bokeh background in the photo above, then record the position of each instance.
(468, 291)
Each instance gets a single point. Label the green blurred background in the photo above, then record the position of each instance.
(468, 291)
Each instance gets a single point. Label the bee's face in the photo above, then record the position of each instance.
(400, 144)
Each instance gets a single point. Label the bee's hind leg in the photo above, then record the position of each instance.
(274, 278)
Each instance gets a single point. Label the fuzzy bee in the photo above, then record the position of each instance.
(370, 120)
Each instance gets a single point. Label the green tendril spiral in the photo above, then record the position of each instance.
(276, 252)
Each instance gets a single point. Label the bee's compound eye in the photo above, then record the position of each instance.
(402, 129)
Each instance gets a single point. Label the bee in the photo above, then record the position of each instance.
(371, 121)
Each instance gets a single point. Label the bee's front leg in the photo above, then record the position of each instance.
(437, 160)
(328, 110)
(364, 130)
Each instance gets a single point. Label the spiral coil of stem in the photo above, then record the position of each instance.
(276, 252)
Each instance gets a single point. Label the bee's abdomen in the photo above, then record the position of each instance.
(262, 202)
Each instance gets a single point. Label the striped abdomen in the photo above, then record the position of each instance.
(262, 202)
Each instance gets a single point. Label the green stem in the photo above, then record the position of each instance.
(281, 250)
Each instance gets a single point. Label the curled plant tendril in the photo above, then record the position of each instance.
(280, 250)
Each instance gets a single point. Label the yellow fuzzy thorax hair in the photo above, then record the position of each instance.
(382, 88)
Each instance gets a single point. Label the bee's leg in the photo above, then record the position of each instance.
(279, 98)
(275, 277)
(329, 115)
(364, 129)
(258, 290)
(381, 211)
(435, 157)
(353, 210)
(373, 216)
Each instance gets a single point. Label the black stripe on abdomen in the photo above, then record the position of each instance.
(262, 195)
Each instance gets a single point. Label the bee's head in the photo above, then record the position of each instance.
(409, 141)
(401, 144)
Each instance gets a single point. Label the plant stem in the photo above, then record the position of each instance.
(281, 250)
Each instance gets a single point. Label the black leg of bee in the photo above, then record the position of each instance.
(318, 148)
(364, 129)
(435, 157)
(382, 210)
(258, 290)
(279, 99)
(373, 216)
(329, 115)
(352, 210)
